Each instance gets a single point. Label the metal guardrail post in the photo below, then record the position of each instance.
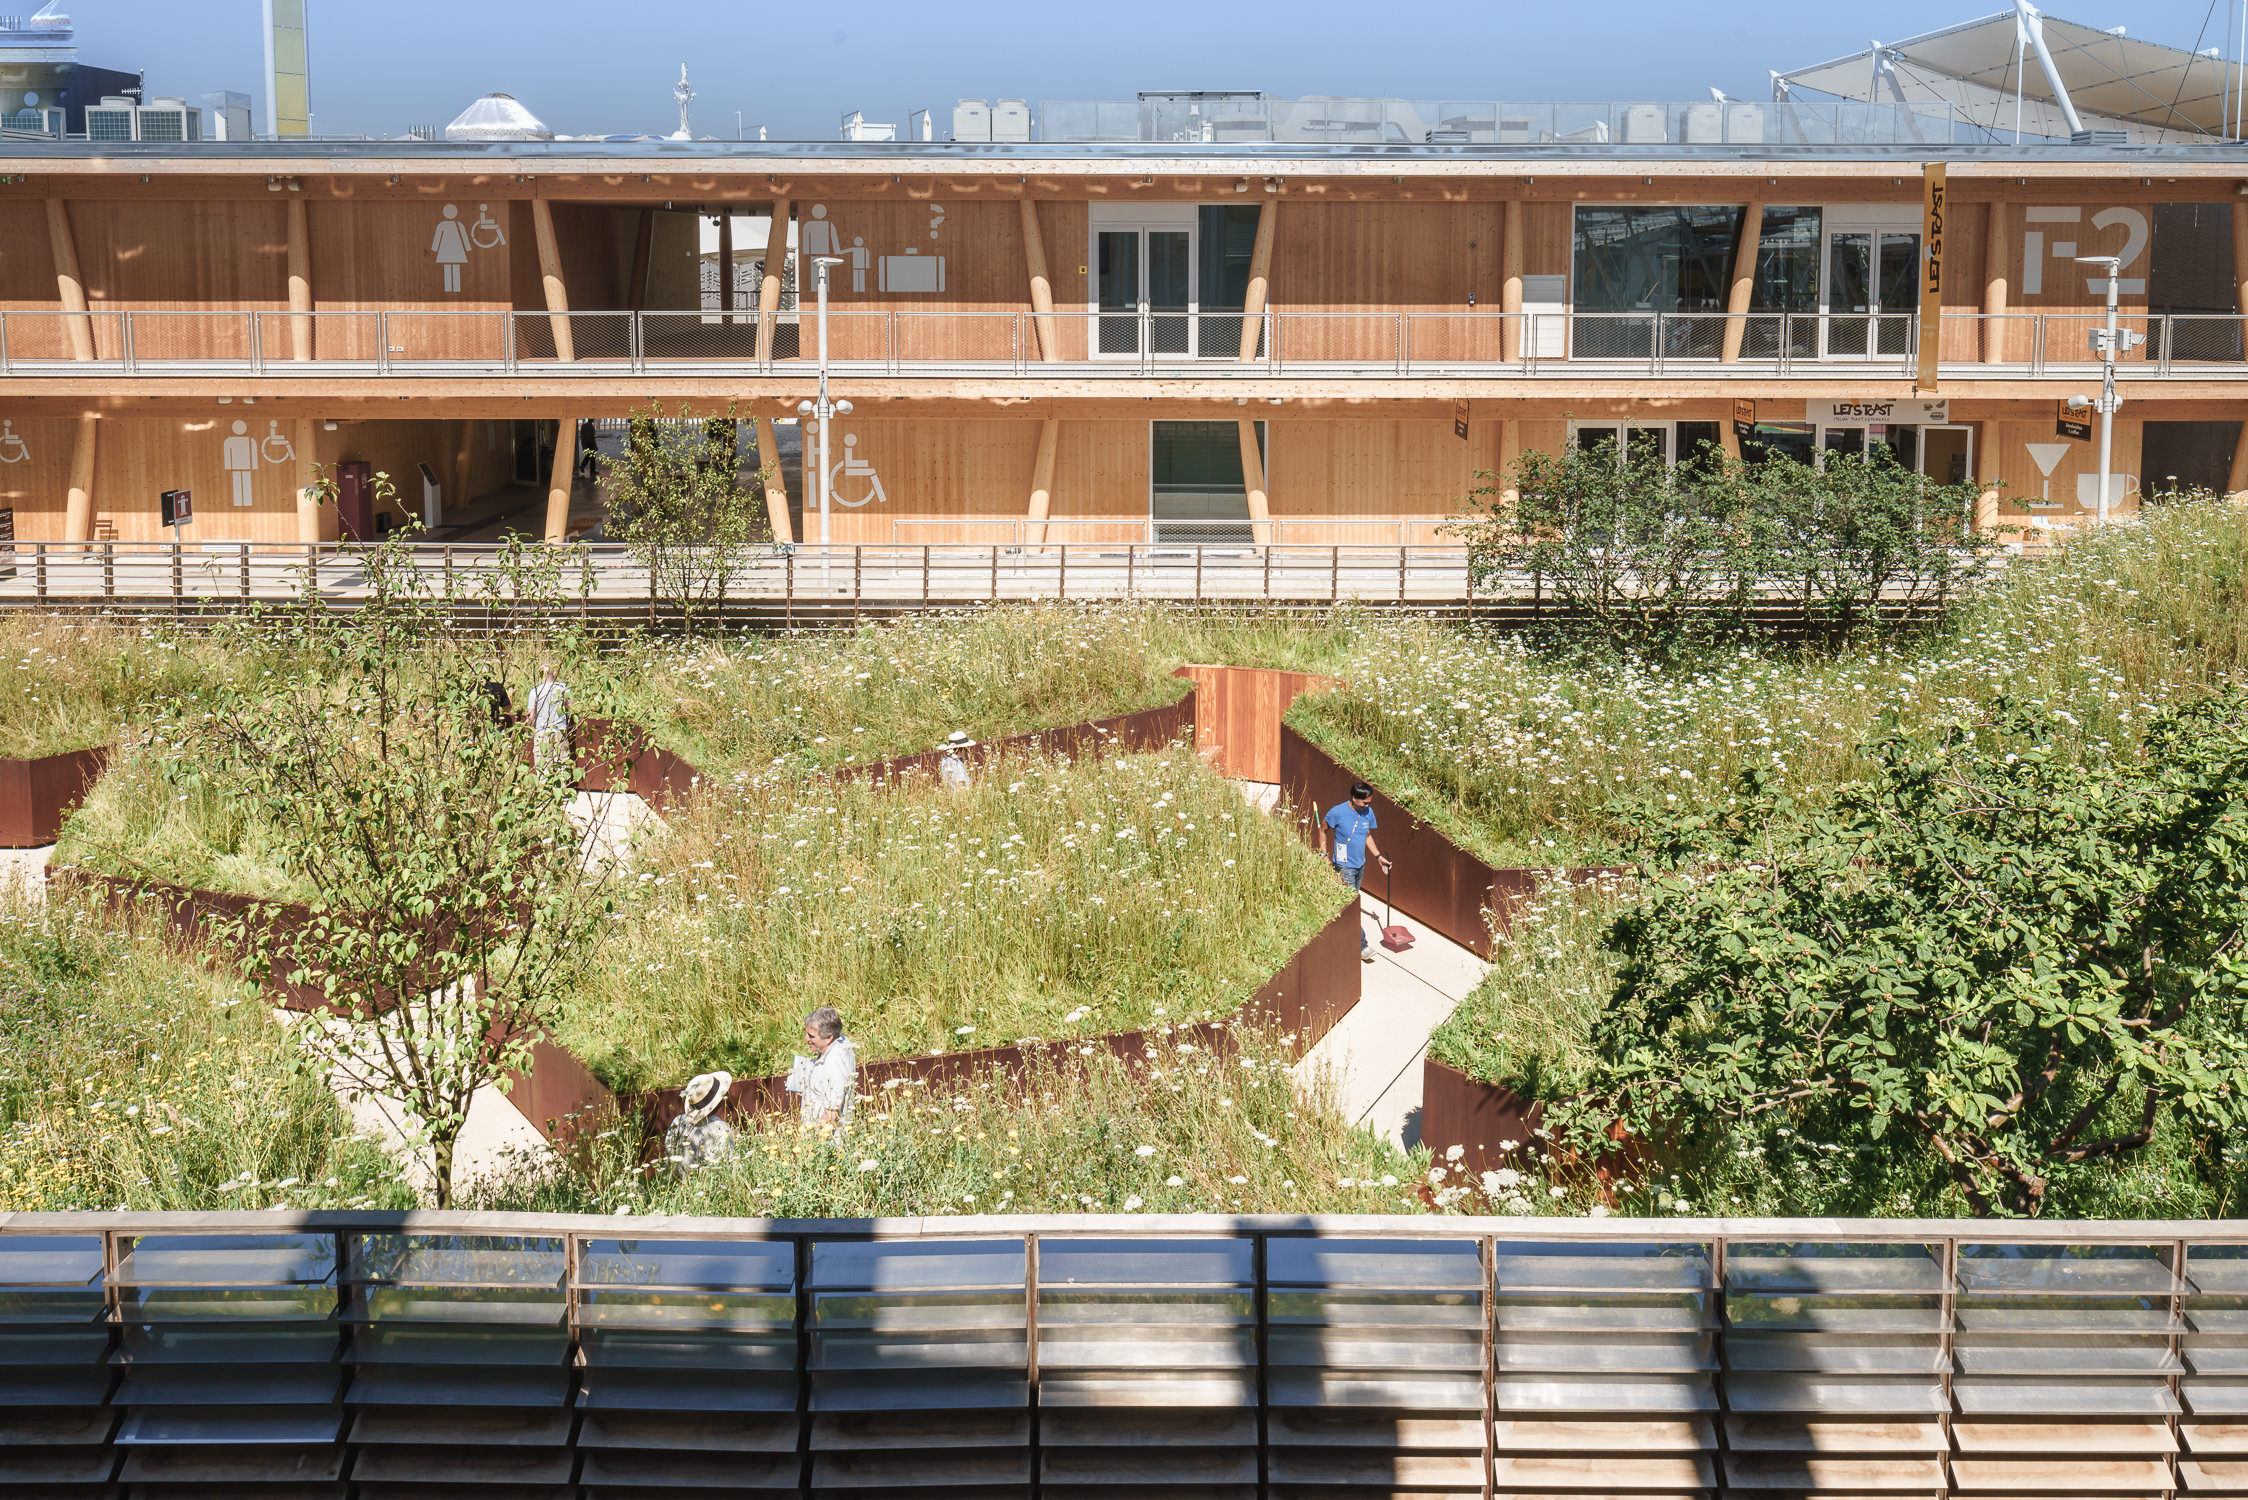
(1268, 572)
(1198, 548)
(995, 572)
(39, 566)
(109, 571)
(636, 348)
(1335, 574)
(856, 559)
(257, 342)
(1131, 555)
(1399, 345)
(312, 566)
(382, 343)
(2169, 325)
(1401, 575)
(507, 342)
(1062, 584)
(245, 591)
(3, 343)
(178, 593)
(125, 342)
(924, 577)
(788, 592)
(2037, 346)
(1655, 353)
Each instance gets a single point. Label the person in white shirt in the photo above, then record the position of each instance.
(550, 721)
(827, 1079)
(952, 771)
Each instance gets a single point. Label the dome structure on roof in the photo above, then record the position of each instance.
(497, 117)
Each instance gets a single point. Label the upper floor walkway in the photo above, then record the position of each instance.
(1386, 345)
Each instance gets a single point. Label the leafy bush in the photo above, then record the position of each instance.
(2025, 962)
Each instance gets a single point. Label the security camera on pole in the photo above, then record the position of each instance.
(2107, 342)
(823, 408)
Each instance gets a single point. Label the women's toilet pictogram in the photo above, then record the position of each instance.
(854, 467)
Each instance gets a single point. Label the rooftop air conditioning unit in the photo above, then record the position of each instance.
(1745, 123)
(110, 120)
(230, 116)
(2099, 138)
(170, 120)
(1645, 125)
(971, 120)
(1705, 124)
(1010, 120)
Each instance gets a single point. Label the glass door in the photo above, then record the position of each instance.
(1873, 289)
(1144, 283)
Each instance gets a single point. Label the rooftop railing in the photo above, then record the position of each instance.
(907, 344)
(1190, 119)
(1192, 1354)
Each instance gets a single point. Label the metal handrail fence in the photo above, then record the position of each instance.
(900, 343)
(1464, 1356)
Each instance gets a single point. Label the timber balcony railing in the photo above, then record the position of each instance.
(1382, 345)
(326, 1353)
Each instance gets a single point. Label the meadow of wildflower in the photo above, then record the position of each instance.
(132, 1079)
(1181, 1128)
(1050, 899)
(1528, 756)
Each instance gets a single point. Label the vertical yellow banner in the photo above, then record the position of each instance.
(1931, 274)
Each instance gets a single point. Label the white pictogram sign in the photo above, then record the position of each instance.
(854, 467)
(2048, 457)
(12, 447)
(454, 240)
(2037, 249)
(240, 455)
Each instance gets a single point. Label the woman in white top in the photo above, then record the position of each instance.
(829, 1077)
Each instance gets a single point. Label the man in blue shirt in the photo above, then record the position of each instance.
(1350, 826)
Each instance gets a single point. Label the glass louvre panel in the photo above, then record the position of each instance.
(720, 1265)
(54, 1370)
(463, 1260)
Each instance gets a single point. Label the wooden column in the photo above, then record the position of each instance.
(643, 244)
(78, 509)
(1042, 480)
(1260, 278)
(70, 289)
(1743, 291)
(2239, 479)
(725, 263)
(1510, 279)
(1730, 437)
(1986, 465)
(550, 272)
(1510, 451)
(558, 480)
(464, 459)
(769, 286)
(1041, 287)
(776, 487)
(1253, 480)
(1998, 265)
(300, 278)
(312, 516)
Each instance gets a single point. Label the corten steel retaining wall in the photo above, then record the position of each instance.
(1457, 1110)
(1436, 881)
(36, 795)
(1238, 713)
(1190, 1357)
(1124, 734)
(1313, 990)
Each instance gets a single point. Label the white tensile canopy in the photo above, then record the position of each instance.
(1994, 69)
(497, 117)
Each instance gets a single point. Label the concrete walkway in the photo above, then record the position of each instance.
(24, 871)
(1373, 1055)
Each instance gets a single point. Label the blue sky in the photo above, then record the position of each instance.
(587, 68)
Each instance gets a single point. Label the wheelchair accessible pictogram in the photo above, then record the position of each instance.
(854, 467)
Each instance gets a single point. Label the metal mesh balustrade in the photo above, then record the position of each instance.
(920, 1366)
(1147, 1360)
(461, 1365)
(55, 1418)
(1375, 1358)
(228, 1347)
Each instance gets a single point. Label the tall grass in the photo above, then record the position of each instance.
(1049, 900)
(1179, 1129)
(140, 823)
(1523, 756)
(68, 686)
(131, 1080)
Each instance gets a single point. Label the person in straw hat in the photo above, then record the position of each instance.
(952, 771)
(698, 1137)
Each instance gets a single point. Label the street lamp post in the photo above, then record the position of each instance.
(823, 408)
(2107, 342)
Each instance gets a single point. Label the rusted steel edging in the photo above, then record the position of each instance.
(38, 793)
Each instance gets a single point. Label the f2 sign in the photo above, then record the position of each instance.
(2039, 246)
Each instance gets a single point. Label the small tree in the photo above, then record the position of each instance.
(1626, 545)
(680, 507)
(1857, 533)
(454, 901)
(2020, 959)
